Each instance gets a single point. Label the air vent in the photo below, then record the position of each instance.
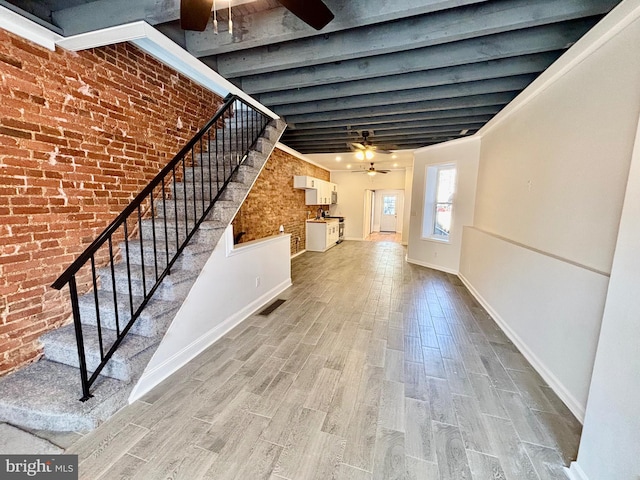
(272, 307)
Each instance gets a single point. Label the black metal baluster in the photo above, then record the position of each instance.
(75, 308)
(126, 248)
(113, 285)
(193, 187)
(186, 203)
(153, 229)
(97, 305)
(217, 165)
(144, 273)
(175, 209)
(164, 216)
(224, 162)
(209, 164)
(202, 176)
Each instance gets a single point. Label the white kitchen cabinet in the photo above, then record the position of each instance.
(305, 181)
(322, 235)
(317, 192)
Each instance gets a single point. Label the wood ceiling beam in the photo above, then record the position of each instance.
(456, 123)
(371, 123)
(524, 42)
(354, 115)
(504, 67)
(482, 87)
(279, 25)
(416, 32)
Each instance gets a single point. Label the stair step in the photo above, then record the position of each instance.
(204, 191)
(207, 232)
(190, 258)
(154, 318)
(45, 394)
(60, 346)
(169, 289)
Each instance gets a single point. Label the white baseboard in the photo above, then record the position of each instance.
(432, 266)
(172, 364)
(575, 472)
(570, 401)
(298, 254)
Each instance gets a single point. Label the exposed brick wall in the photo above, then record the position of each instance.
(273, 201)
(80, 135)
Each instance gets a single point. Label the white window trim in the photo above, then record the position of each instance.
(428, 216)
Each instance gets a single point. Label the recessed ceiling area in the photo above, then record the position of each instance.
(413, 73)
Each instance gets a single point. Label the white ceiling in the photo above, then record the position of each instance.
(348, 161)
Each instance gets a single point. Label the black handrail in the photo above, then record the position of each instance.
(158, 203)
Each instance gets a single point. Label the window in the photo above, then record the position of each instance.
(389, 205)
(439, 197)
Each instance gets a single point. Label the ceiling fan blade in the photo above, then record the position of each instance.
(312, 12)
(383, 171)
(359, 146)
(194, 14)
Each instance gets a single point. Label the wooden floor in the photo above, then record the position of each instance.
(384, 237)
(372, 369)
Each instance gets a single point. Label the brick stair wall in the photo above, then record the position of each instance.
(80, 135)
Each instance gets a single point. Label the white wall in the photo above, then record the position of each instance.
(351, 187)
(224, 294)
(408, 194)
(610, 444)
(552, 176)
(432, 253)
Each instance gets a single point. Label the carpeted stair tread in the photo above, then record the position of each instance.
(28, 393)
(156, 315)
(60, 346)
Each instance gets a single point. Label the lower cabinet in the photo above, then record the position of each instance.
(322, 235)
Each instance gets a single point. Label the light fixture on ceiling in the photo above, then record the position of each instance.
(360, 155)
(394, 156)
(395, 164)
(368, 154)
(338, 159)
(372, 173)
(349, 166)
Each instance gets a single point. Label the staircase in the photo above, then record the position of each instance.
(44, 395)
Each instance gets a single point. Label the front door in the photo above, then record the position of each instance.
(389, 217)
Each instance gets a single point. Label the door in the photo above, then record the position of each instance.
(389, 217)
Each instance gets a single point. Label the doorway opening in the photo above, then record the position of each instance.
(383, 215)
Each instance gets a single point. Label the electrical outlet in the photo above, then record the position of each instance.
(257, 282)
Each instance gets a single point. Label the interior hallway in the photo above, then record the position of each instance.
(372, 369)
(384, 237)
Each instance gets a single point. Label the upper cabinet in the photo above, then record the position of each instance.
(317, 192)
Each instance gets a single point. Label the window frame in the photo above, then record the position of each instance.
(430, 204)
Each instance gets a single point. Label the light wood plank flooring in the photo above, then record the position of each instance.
(384, 237)
(372, 369)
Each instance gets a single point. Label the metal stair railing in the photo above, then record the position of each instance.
(172, 212)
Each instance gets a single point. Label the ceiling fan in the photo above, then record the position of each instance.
(371, 171)
(194, 14)
(366, 149)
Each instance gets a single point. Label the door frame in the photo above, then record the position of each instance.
(378, 209)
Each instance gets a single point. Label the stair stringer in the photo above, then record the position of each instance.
(44, 395)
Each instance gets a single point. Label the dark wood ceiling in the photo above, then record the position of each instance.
(411, 72)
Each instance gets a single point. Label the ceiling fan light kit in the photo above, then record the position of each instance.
(194, 14)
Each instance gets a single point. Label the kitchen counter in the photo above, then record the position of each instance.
(322, 220)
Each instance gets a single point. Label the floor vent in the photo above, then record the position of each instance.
(272, 307)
